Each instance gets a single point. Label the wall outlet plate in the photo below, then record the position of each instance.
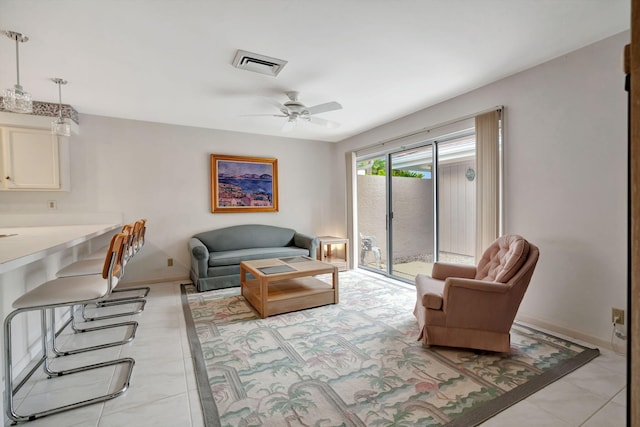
(617, 316)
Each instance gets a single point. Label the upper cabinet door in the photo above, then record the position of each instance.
(30, 160)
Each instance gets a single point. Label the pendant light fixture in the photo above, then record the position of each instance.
(60, 126)
(16, 99)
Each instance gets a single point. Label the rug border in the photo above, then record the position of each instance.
(486, 411)
(507, 400)
(210, 414)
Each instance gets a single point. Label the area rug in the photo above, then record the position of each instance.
(356, 363)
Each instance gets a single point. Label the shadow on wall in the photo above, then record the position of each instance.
(150, 264)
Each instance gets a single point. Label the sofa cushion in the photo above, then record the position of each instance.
(246, 236)
(223, 270)
(236, 256)
(502, 260)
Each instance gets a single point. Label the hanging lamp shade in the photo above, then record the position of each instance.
(16, 99)
(60, 126)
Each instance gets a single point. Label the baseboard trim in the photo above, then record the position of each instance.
(617, 345)
(181, 278)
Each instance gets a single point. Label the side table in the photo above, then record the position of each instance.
(325, 251)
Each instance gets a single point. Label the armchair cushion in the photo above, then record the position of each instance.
(502, 260)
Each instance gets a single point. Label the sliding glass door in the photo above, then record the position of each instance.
(417, 206)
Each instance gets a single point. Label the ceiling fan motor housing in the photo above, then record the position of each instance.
(296, 107)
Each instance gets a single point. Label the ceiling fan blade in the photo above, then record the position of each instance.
(276, 104)
(288, 126)
(263, 115)
(323, 122)
(323, 108)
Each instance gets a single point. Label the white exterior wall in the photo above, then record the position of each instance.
(457, 206)
(413, 219)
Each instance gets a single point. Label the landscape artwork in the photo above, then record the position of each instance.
(243, 184)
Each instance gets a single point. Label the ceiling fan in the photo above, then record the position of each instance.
(296, 111)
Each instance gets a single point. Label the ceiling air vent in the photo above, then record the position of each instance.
(258, 63)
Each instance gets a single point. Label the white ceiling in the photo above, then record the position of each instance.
(169, 61)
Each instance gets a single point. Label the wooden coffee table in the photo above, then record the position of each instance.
(280, 285)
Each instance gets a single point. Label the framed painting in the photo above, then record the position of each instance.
(243, 184)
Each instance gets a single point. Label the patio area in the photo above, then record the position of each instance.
(408, 270)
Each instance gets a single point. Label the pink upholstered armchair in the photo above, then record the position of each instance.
(474, 307)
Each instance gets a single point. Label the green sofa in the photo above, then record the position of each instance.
(216, 254)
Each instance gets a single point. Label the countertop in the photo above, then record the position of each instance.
(23, 245)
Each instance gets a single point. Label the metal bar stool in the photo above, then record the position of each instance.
(94, 266)
(130, 324)
(65, 292)
(88, 268)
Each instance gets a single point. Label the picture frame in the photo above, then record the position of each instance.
(243, 184)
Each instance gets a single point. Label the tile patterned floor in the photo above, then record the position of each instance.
(163, 390)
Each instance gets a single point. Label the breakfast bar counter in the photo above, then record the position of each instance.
(20, 246)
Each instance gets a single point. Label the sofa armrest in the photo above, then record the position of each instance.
(443, 270)
(306, 241)
(199, 257)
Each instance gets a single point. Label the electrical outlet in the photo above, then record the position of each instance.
(52, 204)
(169, 262)
(617, 316)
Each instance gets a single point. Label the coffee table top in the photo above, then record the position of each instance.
(286, 266)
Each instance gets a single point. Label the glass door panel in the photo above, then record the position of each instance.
(372, 213)
(412, 212)
(457, 200)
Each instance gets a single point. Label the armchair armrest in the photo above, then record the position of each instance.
(443, 270)
(306, 241)
(455, 285)
(199, 257)
(478, 304)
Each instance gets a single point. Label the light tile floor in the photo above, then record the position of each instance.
(163, 390)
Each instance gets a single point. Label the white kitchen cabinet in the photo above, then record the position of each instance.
(33, 160)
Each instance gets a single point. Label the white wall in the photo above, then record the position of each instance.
(565, 179)
(162, 172)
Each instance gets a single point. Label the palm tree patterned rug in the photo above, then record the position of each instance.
(356, 363)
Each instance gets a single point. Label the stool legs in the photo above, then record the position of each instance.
(110, 303)
(58, 352)
(10, 390)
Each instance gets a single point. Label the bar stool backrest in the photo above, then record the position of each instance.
(113, 262)
(128, 245)
(138, 234)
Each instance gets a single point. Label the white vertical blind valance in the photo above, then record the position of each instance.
(487, 180)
